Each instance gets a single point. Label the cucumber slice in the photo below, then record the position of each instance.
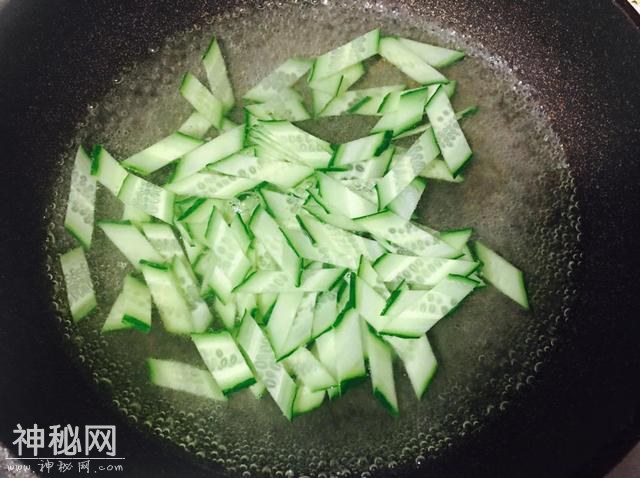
(282, 78)
(451, 140)
(130, 241)
(283, 207)
(147, 197)
(107, 170)
(339, 198)
(131, 309)
(163, 240)
(412, 65)
(161, 153)
(407, 168)
(267, 232)
(356, 51)
(438, 169)
(369, 303)
(262, 259)
(365, 170)
(246, 303)
(281, 320)
(325, 312)
(241, 232)
(339, 82)
(196, 126)
(171, 304)
(419, 361)
(411, 316)
(281, 140)
(405, 203)
(407, 114)
(258, 390)
(317, 208)
(361, 149)
(367, 273)
(135, 215)
(421, 271)
(282, 282)
(199, 212)
(184, 378)
(392, 101)
(224, 360)
(226, 312)
(467, 255)
(300, 331)
(457, 239)
(77, 278)
(502, 275)
(307, 400)
(82, 197)
(381, 371)
(325, 350)
(324, 90)
(303, 365)
(217, 75)
(192, 249)
(220, 147)
(184, 203)
(258, 351)
(227, 256)
(348, 346)
(265, 303)
(405, 234)
(282, 174)
(288, 107)
(435, 56)
(460, 115)
(212, 185)
(202, 100)
(227, 125)
(339, 246)
(201, 316)
(366, 101)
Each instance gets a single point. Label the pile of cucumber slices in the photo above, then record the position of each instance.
(293, 265)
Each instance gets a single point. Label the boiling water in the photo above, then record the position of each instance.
(517, 195)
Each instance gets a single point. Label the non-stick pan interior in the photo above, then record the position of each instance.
(518, 195)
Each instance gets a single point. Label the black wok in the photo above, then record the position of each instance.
(552, 393)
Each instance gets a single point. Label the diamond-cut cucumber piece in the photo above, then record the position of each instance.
(184, 378)
(451, 140)
(147, 197)
(391, 227)
(272, 374)
(131, 242)
(161, 153)
(131, 309)
(77, 278)
(217, 75)
(224, 360)
(418, 359)
(357, 50)
(171, 304)
(505, 277)
(435, 56)
(412, 65)
(380, 362)
(220, 147)
(81, 202)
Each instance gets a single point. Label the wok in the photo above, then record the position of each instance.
(555, 185)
